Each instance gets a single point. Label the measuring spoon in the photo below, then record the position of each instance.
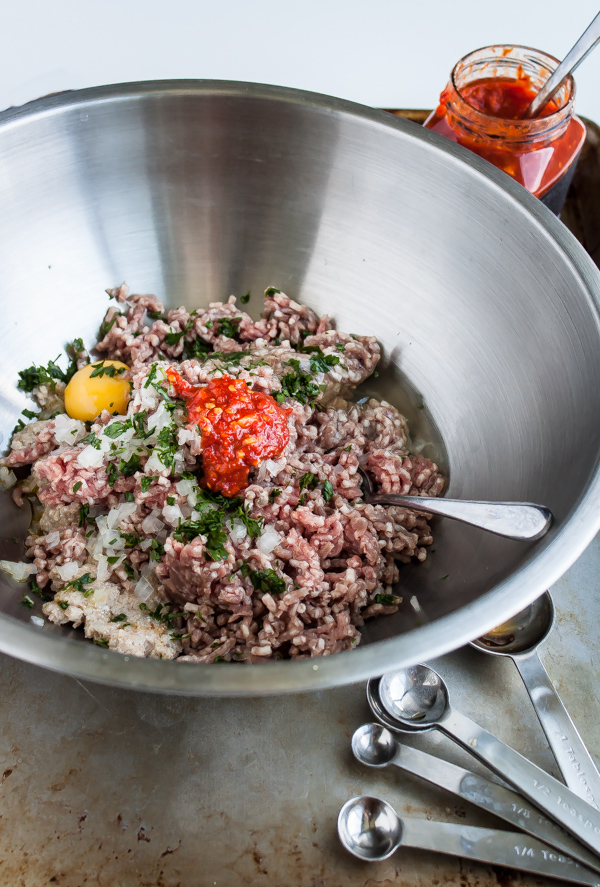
(371, 830)
(375, 746)
(519, 639)
(416, 698)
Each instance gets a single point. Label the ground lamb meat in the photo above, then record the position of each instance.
(136, 550)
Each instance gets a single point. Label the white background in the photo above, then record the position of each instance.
(381, 53)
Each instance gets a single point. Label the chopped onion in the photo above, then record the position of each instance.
(143, 590)
(68, 571)
(152, 524)
(185, 435)
(172, 514)
(117, 515)
(37, 620)
(154, 464)
(238, 530)
(19, 571)
(160, 419)
(67, 430)
(185, 487)
(52, 539)
(268, 540)
(145, 544)
(90, 458)
(7, 478)
(149, 397)
(103, 569)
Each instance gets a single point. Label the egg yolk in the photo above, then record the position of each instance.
(96, 387)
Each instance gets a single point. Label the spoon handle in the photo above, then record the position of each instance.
(516, 520)
(573, 758)
(547, 793)
(572, 60)
(494, 798)
(495, 847)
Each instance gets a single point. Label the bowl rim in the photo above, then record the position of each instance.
(89, 662)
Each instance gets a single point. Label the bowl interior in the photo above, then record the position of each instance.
(485, 308)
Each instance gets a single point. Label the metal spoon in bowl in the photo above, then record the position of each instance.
(572, 60)
(371, 830)
(416, 698)
(375, 746)
(516, 520)
(519, 639)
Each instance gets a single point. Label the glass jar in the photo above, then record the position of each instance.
(482, 108)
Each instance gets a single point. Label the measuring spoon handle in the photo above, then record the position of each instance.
(494, 847)
(547, 793)
(573, 758)
(522, 521)
(490, 796)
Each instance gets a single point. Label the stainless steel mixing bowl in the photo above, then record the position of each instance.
(486, 306)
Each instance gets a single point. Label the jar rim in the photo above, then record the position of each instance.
(554, 118)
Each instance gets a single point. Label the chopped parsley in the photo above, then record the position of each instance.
(113, 559)
(273, 495)
(162, 613)
(63, 604)
(112, 474)
(197, 349)
(171, 500)
(245, 298)
(102, 369)
(155, 315)
(297, 384)
(77, 486)
(319, 362)
(116, 429)
(79, 584)
(101, 642)
(131, 539)
(209, 525)
(156, 550)
(228, 326)
(107, 325)
(145, 483)
(267, 581)
(26, 601)
(128, 570)
(84, 511)
(130, 466)
(120, 618)
(128, 496)
(308, 481)
(388, 599)
(327, 490)
(34, 376)
(271, 291)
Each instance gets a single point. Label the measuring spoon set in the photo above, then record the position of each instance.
(559, 826)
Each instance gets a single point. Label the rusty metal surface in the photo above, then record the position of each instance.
(106, 787)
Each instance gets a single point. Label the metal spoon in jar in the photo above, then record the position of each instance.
(516, 520)
(371, 830)
(375, 746)
(572, 60)
(416, 698)
(519, 639)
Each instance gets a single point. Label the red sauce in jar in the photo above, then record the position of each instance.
(239, 428)
(535, 159)
(508, 99)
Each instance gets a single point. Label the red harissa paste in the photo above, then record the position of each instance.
(239, 427)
